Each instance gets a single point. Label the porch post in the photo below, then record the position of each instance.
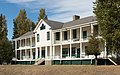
(70, 43)
(61, 52)
(53, 52)
(50, 52)
(15, 53)
(25, 53)
(46, 52)
(81, 50)
(91, 29)
(70, 51)
(31, 54)
(20, 54)
(80, 42)
(105, 51)
(36, 53)
(20, 43)
(80, 33)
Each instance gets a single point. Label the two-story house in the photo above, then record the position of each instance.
(54, 42)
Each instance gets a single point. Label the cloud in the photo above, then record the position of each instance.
(60, 10)
(19, 1)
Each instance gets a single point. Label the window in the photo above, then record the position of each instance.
(37, 37)
(48, 35)
(65, 35)
(42, 27)
(84, 34)
(57, 35)
(74, 33)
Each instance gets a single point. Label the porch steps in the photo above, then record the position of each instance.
(110, 59)
(39, 61)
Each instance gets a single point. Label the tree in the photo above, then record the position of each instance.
(42, 15)
(22, 24)
(93, 47)
(108, 17)
(3, 28)
(6, 51)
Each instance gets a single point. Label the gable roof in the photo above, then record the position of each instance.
(80, 21)
(25, 35)
(54, 24)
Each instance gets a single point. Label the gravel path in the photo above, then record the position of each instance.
(59, 70)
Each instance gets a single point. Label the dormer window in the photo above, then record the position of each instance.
(42, 27)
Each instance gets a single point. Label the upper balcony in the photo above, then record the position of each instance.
(25, 43)
(75, 35)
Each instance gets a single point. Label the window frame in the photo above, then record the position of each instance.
(38, 39)
(48, 35)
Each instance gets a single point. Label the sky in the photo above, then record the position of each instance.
(58, 10)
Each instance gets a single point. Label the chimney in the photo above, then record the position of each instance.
(76, 17)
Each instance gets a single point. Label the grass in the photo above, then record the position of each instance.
(59, 70)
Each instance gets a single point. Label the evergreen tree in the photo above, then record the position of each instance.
(6, 51)
(93, 47)
(22, 24)
(3, 28)
(108, 17)
(42, 15)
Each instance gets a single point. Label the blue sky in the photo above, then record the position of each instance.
(58, 10)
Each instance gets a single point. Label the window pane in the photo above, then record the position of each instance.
(84, 34)
(74, 33)
(57, 35)
(65, 35)
(48, 35)
(37, 37)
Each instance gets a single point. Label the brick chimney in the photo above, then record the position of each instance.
(76, 17)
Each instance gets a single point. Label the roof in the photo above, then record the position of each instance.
(26, 34)
(54, 24)
(80, 21)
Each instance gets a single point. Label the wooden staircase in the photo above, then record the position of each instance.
(39, 61)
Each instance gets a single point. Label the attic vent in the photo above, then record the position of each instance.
(42, 27)
(76, 17)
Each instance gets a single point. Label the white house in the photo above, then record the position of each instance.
(58, 43)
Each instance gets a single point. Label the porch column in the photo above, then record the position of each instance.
(70, 51)
(105, 51)
(53, 52)
(80, 49)
(31, 41)
(50, 52)
(46, 52)
(36, 53)
(80, 33)
(61, 52)
(25, 42)
(15, 53)
(91, 29)
(20, 54)
(20, 43)
(25, 53)
(31, 54)
(15, 44)
(61, 37)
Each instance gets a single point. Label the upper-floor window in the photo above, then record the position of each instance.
(65, 35)
(74, 33)
(57, 35)
(37, 37)
(84, 34)
(48, 35)
(42, 27)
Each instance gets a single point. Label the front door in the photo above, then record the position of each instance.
(43, 54)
